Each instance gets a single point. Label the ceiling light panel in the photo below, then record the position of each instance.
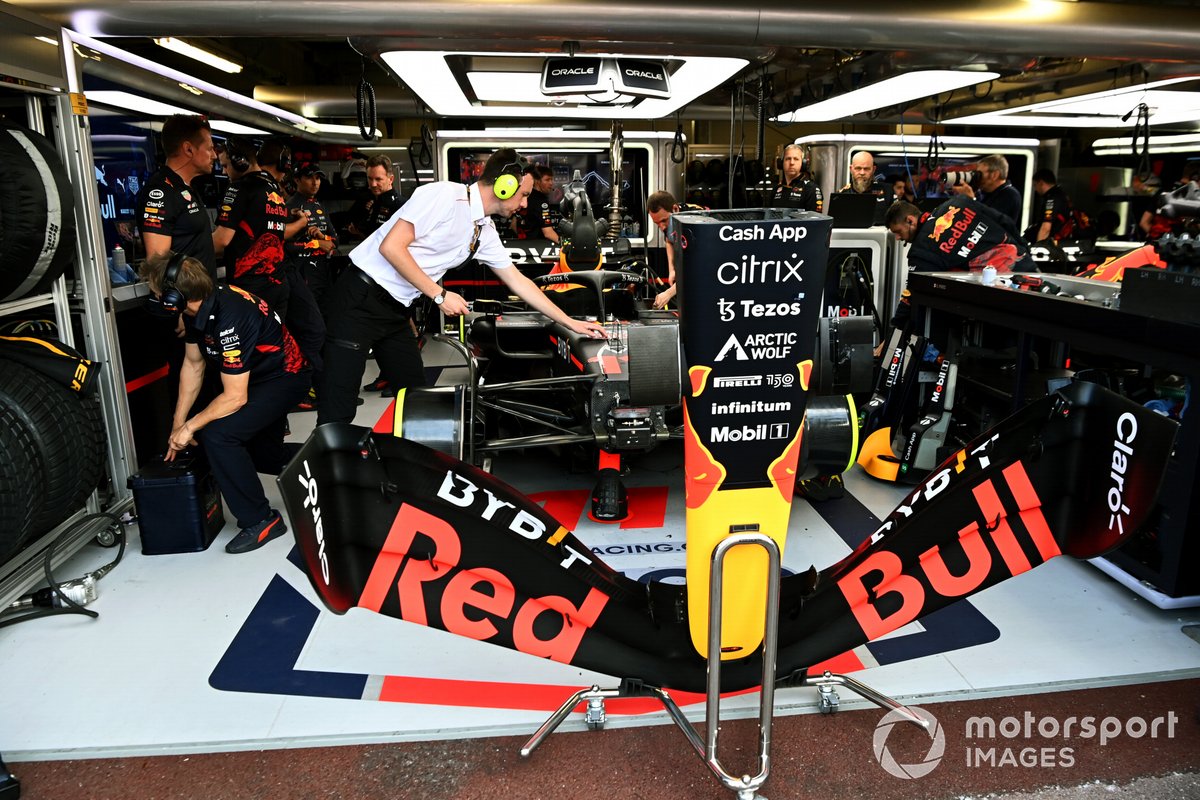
(131, 102)
(199, 54)
(1105, 109)
(892, 91)
(430, 75)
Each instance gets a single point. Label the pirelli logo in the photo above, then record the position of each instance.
(737, 382)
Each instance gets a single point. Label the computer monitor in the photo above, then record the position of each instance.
(853, 210)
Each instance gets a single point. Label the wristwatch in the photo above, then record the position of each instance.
(441, 298)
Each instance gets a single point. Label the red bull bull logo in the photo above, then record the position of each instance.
(942, 224)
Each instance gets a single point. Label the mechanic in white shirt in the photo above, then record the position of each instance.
(441, 226)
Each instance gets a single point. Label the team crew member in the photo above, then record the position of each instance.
(311, 248)
(252, 226)
(383, 202)
(170, 216)
(539, 219)
(660, 206)
(796, 188)
(998, 193)
(1053, 217)
(440, 227)
(862, 181)
(959, 235)
(263, 374)
(369, 217)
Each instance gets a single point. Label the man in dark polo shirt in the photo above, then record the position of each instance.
(796, 188)
(997, 192)
(263, 374)
(383, 201)
(539, 219)
(311, 248)
(1052, 217)
(170, 215)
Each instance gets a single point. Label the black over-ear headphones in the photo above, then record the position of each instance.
(277, 154)
(240, 152)
(509, 180)
(169, 295)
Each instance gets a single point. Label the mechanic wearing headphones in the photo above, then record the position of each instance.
(441, 226)
(263, 374)
(252, 226)
(796, 189)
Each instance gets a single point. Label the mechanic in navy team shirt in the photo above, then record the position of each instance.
(170, 215)
(796, 187)
(441, 226)
(539, 219)
(252, 225)
(263, 374)
(311, 249)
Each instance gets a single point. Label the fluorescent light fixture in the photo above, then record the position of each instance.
(1182, 143)
(324, 127)
(199, 54)
(47, 40)
(504, 129)
(382, 148)
(889, 92)
(429, 75)
(236, 128)
(132, 102)
(146, 64)
(871, 141)
(1103, 109)
(144, 105)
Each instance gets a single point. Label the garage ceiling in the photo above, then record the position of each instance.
(304, 55)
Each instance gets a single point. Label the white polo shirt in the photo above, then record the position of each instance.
(443, 215)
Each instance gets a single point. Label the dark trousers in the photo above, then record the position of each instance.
(250, 441)
(318, 276)
(364, 317)
(303, 318)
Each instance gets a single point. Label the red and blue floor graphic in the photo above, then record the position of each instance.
(263, 656)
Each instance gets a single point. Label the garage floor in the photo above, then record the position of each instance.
(208, 652)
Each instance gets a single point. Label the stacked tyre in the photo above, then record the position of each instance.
(37, 214)
(52, 454)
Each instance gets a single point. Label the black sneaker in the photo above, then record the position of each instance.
(309, 403)
(377, 385)
(256, 536)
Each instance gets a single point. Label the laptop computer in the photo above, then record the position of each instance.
(852, 210)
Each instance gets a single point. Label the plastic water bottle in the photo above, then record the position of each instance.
(118, 257)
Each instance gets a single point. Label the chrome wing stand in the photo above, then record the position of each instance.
(745, 786)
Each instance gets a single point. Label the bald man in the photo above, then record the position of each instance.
(862, 181)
